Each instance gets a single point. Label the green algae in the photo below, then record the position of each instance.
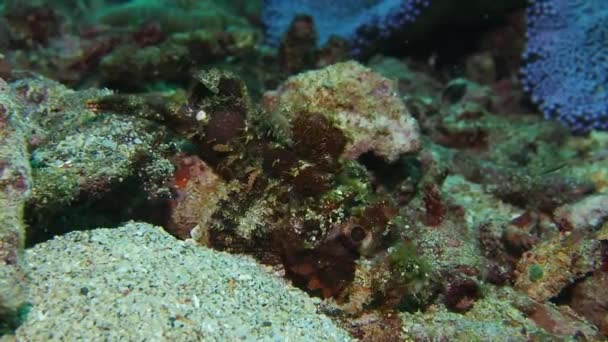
(535, 272)
(411, 267)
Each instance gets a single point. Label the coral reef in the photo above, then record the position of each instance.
(174, 59)
(173, 16)
(417, 196)
(158, 42)
(304, 187)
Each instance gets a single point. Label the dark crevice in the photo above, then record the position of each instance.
(126, 201)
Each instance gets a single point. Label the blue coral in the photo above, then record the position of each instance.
(346, 18)
(567, 61)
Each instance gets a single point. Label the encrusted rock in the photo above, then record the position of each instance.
(550, 266)
(79, 155)
(362, 104)
(588, 213)
(590, 299)
(15, 189)
(503, 315)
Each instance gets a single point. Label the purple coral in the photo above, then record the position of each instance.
(355, 20)
(567, 61)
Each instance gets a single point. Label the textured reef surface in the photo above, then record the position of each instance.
(303, 170)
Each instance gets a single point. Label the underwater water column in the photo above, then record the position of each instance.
(347, 19)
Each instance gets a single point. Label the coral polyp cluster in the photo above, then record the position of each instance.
(566, 50)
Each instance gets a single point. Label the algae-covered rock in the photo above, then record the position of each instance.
(175, 16)
(554, 264)
(78, 154)
(175, 59)
(361, 103)
(587, 214)
(502, 315)
(15, 189)
(139, 283)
